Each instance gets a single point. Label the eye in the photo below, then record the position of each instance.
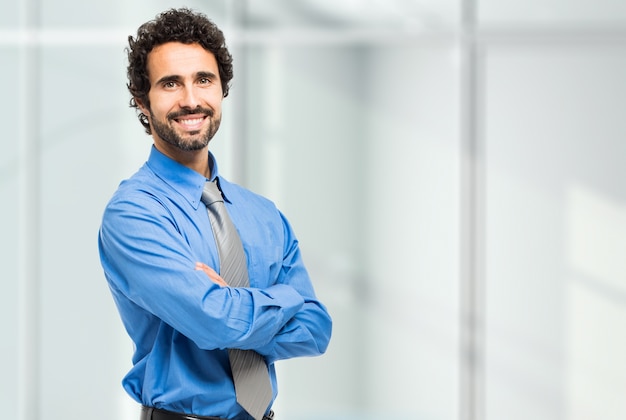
(204, 81)
(169, 84)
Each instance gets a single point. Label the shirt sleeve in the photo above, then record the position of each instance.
(147, 261)
(308, 331)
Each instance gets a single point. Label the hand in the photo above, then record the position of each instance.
(215, 278)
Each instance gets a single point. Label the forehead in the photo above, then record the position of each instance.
(178, 59)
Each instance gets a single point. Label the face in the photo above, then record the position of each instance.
(185, 97)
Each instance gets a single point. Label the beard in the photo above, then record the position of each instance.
(195, 140)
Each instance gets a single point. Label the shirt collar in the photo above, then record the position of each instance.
(182, 179)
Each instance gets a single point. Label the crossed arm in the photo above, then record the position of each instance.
(148, 263)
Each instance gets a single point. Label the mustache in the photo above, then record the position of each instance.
(187, 111)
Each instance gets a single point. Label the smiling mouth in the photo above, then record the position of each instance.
(191, 120)
(191, 123)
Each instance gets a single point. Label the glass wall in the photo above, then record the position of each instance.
(453, 169)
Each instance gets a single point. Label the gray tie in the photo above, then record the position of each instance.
(250, 374)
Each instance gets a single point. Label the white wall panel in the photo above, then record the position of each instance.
(363, 13)
(10, 16)
(9, 234)
(115, 14)
(556, 194)
(90, 140)
(552, 12)
(305, 144)
(412, 232)
(348, 141)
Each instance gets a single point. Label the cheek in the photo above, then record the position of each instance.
(160, 105)
(216, 103)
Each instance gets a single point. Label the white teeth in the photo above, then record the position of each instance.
(191, 122)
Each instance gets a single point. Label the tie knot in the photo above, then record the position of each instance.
(211, 194)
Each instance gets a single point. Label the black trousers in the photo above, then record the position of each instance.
(151, 413)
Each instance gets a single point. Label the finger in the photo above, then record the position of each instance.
(215, 278)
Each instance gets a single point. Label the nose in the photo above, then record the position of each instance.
(189, 98)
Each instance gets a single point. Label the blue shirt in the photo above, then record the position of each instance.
(154, 230)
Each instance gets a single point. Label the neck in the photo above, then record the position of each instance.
(197, 160)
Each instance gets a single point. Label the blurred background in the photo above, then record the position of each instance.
(454, 169)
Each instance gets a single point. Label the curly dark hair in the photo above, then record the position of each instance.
(174, 25)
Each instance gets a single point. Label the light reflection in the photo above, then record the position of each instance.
(596, 383)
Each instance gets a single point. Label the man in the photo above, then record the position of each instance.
(161, 259)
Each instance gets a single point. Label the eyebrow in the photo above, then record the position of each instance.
(176, 78)
(207, 74)
(165, 79)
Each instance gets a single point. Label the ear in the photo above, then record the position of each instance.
(142, 107)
